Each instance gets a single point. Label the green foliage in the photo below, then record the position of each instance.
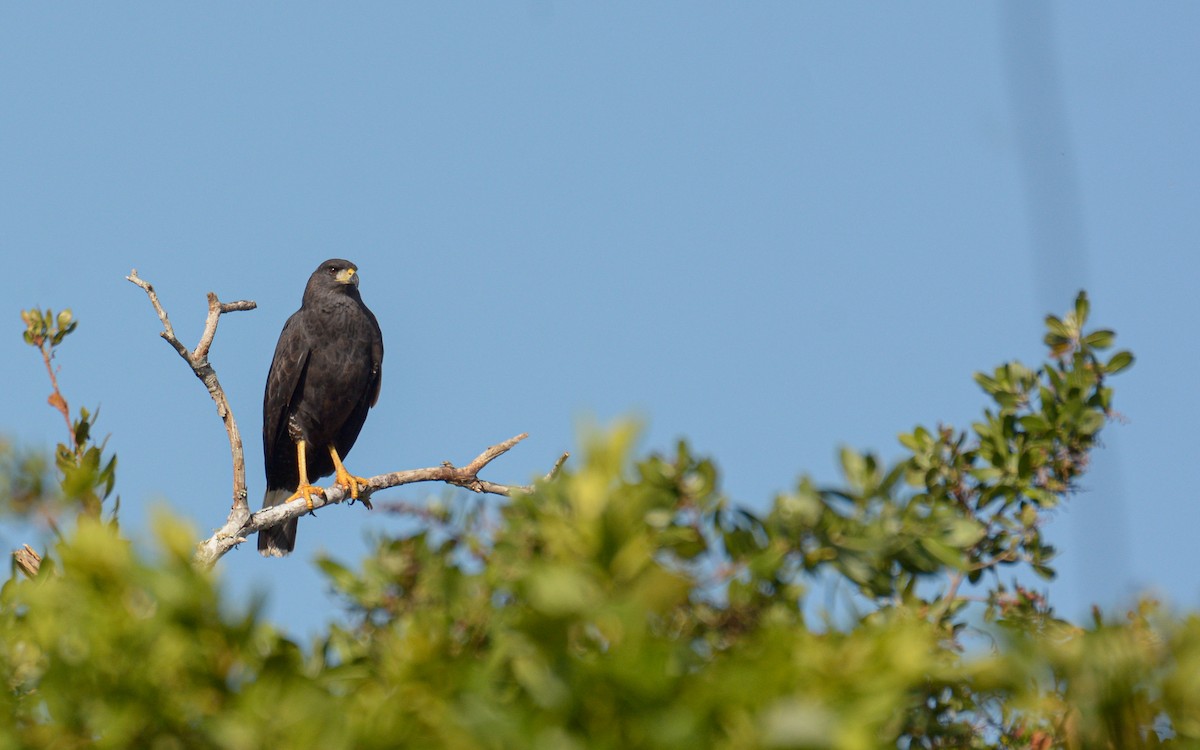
(44, 328)
(111, 649)
(629, 603)
(85, 476)
(23, 481)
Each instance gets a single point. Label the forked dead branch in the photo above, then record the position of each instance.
(241, 523)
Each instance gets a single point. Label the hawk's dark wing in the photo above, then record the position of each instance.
(348, 433)
(285, 382)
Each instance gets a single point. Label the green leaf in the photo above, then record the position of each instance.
(894, 475)
(1035, 423)
(854, 467)
(963, 532)
(342, 578)
(559, 591)
(1119, 361)
(1082, 308)
(944, 553)
(1101, 339)
(684, 541)
(803, 508)
(987, 383)
(1057, 327)
(740, 542)
(1044, 572)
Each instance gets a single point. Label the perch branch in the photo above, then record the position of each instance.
(198, 360)
(235, 531)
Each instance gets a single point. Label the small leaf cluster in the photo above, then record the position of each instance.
(967, 502)
(45, 328)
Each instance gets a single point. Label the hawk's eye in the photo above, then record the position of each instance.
(332, 270)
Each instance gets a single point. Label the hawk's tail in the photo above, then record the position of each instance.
(277, 541)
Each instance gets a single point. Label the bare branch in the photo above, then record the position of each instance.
(558, 465)
(236, 531)
(27, 560)
(210, 327)
(168, 332)
(242, 305)
(491, 454)
(198, 361)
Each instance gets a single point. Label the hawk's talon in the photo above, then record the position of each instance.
(345, 478)
(350, 482)
(306, 491)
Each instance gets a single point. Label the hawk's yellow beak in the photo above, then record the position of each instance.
(348, 276)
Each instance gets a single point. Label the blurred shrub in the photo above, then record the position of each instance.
(627, 603)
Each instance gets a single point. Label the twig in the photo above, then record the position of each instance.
(235, 531)
(558, 465)
(946, 600)
(27, 560)
(198, 361)
(402, 508)
(56, 399)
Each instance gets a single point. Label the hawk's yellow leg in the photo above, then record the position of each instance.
(305, 490)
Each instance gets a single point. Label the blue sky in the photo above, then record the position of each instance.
(773, 228)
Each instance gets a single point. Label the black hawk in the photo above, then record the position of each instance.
(324, 377)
